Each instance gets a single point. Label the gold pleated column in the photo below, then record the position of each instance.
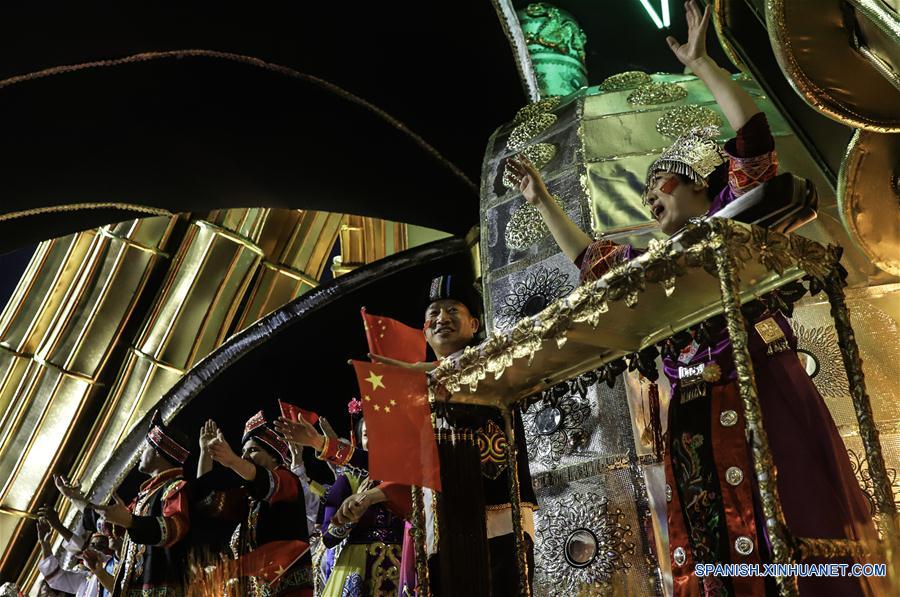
(297, 245)
(30, 312)
(191, 316)
(364, 240)
(77, 311)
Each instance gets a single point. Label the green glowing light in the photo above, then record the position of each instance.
(665, 21)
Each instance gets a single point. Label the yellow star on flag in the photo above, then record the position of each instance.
(376, 407)
(366, 398)
(387, 409)
(375, 380)
(393, 402)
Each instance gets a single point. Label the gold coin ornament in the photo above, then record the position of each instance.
(627, 80)
(680, 120)
(528, 130)
(657, 93)
(526, 227)
(712, 372)
(537, 108)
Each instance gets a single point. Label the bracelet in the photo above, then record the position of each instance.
(335, 451)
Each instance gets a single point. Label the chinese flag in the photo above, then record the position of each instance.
(271, 560)
(292, 412)
(402, 448)
(390, 338)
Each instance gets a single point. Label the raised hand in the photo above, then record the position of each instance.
(300, 432)
(72, 492)
(44, 532)
(93, 559)
(695, 48)
(222, 453)
(208, 432)
(117, 512)
(531, 185)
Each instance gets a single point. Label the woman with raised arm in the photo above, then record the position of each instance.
(714, 511)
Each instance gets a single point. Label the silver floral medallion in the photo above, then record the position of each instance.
(582, 543)
(532, 295)
(555, 427)
(820, 354)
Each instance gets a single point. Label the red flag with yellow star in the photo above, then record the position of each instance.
(271, 560)
(390, 338)
(401, 448)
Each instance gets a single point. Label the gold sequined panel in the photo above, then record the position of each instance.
(875, 315)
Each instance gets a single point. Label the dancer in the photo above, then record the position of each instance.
(154, 524)
(714, 511)
(273, 512)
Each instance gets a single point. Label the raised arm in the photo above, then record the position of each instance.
(736, 104)
(570, 238)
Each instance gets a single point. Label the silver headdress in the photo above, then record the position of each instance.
(695, 154)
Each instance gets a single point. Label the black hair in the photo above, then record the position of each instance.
(357, 429)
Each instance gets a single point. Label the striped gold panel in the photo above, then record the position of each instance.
(141, 382)
(297, 245)
(41, 290)
(103, 298)
(198, 301)
(50, 400)
(190, 317)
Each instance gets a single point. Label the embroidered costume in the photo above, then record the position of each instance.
(714, 514)
(153, 553)
(268, 509)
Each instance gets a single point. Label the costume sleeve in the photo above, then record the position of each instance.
(399, 499)
(279, 485)
(340, 491)
(171, 527)
(598, 258)
(341, 453)
(60, 579)
(752, 156)
(310, 499)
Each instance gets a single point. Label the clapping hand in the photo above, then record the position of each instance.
(43, 531)
(72, 492)
(356, 505)
(221, 452)
(300, 432)
(116, 513)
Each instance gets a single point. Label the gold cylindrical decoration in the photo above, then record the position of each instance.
(832, 67)
(141, 382)
(50, 399)
(191, 316)
(200, 296)
(102, 299)
(515, 503)
(297, 245)
(40, 292)
(763, 464)
(363, 240)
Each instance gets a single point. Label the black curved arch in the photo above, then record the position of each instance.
(268, 359)
(242, 122)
